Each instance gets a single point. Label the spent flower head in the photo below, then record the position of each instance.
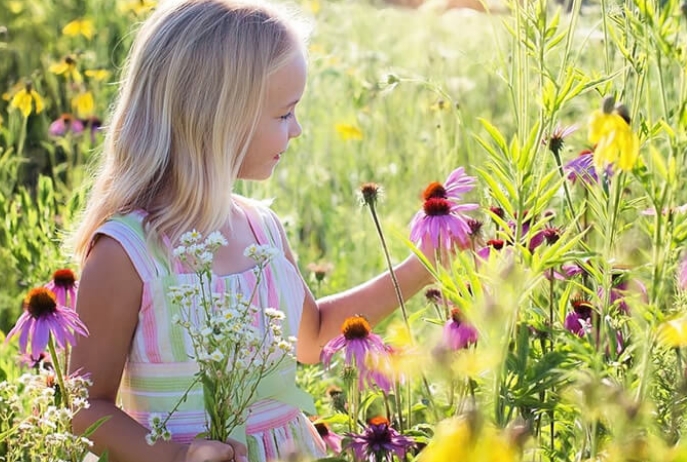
(370, 193)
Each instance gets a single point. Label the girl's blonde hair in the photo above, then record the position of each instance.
(190, 99)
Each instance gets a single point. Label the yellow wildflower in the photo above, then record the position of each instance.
(454, 440)
(312, 5)
(138, 7)
(614, 141)
(27, 99)
(83, 104)
(15, 7)
(79, 26)
(349, 132)
(673, 333)
(98, 74)
(67, 67)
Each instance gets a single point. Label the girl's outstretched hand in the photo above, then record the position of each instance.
(214, 451)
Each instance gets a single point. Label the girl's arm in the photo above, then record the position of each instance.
(375, 299)
(108, 302)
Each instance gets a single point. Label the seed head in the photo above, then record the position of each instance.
(370, 193)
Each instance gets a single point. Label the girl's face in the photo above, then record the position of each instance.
(278, 123)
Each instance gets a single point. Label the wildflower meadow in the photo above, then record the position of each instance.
(531, 156)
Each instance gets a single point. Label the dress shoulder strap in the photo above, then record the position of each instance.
(264, 222)
(128, 231)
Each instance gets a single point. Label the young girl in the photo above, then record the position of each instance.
(208, 96)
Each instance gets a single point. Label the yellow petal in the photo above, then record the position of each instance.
(75, 74)
(673, 333)
(98, 74)
(22, 101)
(83, 104)
(38, 101)
(79, 26)
(629, 152)
(59, 68)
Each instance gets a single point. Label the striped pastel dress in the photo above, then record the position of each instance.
(159, 368)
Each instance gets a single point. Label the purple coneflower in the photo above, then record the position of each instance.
(331, 439)
(496, 244)
(458, 333)
(622, 286)
(64, 124)
(458, 183)
(582, 168)
(440, 222)
(43, 316)
(64, 285)
(549, 234)
(579, 321)
(378, 442)
(358, 341)
(682, 274)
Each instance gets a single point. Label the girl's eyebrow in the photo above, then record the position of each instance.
(292, 104)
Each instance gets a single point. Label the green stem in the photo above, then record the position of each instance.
(58, 371)
(392, 273)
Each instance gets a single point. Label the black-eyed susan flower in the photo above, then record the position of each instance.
(44, 317)
(615, 142)
(138, 7)
(67, 67)
(27, 100)
(79, 27)
(348, 132)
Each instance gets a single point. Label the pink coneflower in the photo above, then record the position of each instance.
(682, 274)
(64, 285)
(64, 124)
(458, 183)
(579, 321)
(622, 286)
(43, 316)
(378, 442)
(357, 340)
(331, 439)
(549, 234)
(458, 333)
(496, 244)
(582, 168)
(440, 222)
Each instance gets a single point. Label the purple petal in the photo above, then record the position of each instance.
(39, 336)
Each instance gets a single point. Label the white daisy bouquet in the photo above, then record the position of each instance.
(235, 343)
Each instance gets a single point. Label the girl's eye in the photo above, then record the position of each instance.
(286, 116)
